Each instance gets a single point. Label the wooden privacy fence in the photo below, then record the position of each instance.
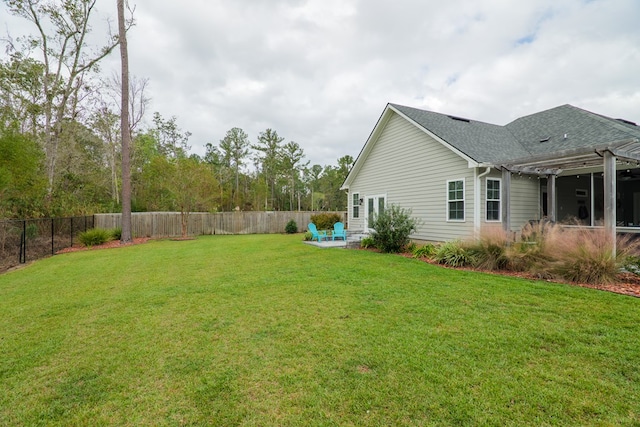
(168, 224)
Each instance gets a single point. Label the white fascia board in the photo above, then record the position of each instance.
(472, 163)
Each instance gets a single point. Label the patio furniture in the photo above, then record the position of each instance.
(315, 234)
(339, 231)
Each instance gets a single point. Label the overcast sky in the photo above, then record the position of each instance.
(320, 72)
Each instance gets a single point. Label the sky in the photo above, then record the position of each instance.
(320, 72)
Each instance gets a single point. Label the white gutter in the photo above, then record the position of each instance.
(477, 199)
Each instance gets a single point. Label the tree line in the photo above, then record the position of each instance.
(61, 140)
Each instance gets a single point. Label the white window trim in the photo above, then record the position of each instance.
(464, 197)
(486, 200)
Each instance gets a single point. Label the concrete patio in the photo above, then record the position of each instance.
(353, 241)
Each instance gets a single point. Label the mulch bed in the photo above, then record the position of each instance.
(108, 245)
(627, 284)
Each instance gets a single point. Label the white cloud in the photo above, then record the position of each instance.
(321, 71)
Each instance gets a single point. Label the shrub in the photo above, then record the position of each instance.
(95, 236)
(584, 255)
(325, 220)
(454, 254)
(426, 251)
(530, 254)
(116, 233)
(307, 236)
(291, 227)
(367, 242)
(632, 264)
(392, 228)
(530, 257)
(490, 249)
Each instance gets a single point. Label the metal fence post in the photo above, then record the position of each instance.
(52, 246)
(23, 244)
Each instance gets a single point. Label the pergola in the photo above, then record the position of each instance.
(550, 165)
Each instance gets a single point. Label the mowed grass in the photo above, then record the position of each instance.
(266, 331)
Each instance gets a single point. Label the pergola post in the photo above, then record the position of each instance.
(551, 198)
(610, 197)
(506, 200)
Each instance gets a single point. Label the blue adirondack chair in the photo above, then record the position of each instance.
(317, 235)
(339, 231)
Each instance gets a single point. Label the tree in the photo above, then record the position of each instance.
(21, 97)
(330, 182)
(193, 188)
(82, 184)
(171, 140)
(220, 167)
(268, 160)
(344, 166)
(22, 185)
(106, 125)
(313, 175)
(105, 122)
(292, 155)
(185, 184)
(62, 31)
(125, 130)
(235, 148)
(138, 100)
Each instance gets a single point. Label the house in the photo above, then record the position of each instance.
(459, 175)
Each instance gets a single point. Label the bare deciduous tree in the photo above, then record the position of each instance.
(61, 38)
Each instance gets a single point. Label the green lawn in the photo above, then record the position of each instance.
(266, 331)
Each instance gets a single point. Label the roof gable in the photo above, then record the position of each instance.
(412, 115)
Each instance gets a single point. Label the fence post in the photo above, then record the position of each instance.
(23, 244)
(52, 246)
(71, 232)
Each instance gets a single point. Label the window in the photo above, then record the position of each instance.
(375, 206)
(356, 205)
(370, 209)
(455, 199)
(493, 200)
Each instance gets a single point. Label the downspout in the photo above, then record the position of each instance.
(477, 200)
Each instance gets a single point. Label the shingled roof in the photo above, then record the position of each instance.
(483, 142)
(569, 128)
(559, 130)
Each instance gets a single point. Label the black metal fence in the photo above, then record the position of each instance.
(31, 239)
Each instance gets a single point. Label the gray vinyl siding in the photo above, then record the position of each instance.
(525, 200)
(412, 170)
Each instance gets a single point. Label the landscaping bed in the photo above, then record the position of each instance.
(106, 245)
